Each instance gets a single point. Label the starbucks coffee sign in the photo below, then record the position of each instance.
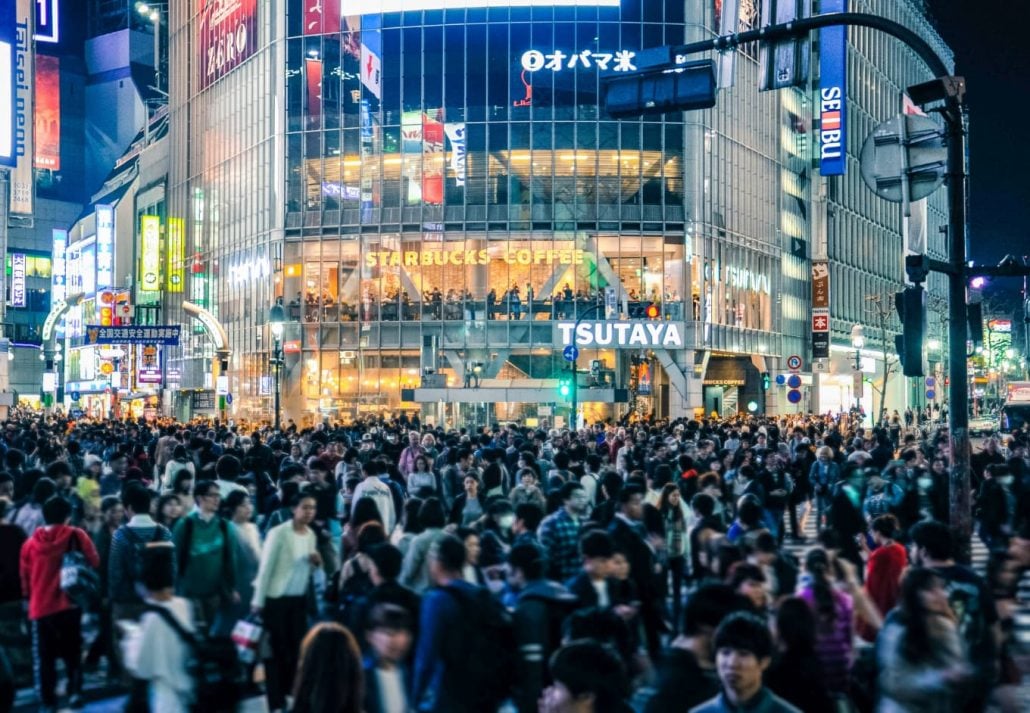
(623, 334)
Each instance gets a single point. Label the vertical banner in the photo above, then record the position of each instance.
(456, 135)
(59, 269)
(175, 271)
(22, 182)
(313, 71)
(228, 37)
(105, 246)
(48, 113)
(8, 152)
(321, 17)
(18, 280)
(150, 253)
(820, 309)
(432, 159)
(372, 56)
(833, 94)
(411, 149)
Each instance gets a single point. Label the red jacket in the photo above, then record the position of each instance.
(40, 567)
(883, 575)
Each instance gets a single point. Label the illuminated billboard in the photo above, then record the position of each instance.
(364, 7)
(150, 253)
(228, 37)
(18, 280)
(59, 272)
(48, 113)
(22, 186)
(105, 246)
(8, 156)
(48, 15)
(175, 270)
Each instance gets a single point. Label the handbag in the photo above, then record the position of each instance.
(79, 581)
(247, 635)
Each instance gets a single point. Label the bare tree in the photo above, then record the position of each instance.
(882, 307)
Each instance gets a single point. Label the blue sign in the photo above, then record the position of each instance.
(571, 352)
(47, 21)
(794, 396)
(75, 395)
(832, 103)
(781, 379)
(930, 383)
(931, 394)
(228, 398)
(153, 334)
(794, 381)
(8, 42)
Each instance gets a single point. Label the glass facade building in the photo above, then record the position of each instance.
(431, 192)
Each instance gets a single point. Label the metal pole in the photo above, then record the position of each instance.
(278, 369)
(958, 407)
(575, 369)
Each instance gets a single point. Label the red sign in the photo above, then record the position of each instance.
(292, 346)
(820, 323)
(313, 69)
(228, 36)
(48, 113)
(321, 17)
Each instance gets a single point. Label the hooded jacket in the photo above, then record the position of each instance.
(539, 611)
(40, 567)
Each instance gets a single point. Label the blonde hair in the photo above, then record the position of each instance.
(824, 451)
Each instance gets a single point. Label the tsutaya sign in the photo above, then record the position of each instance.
(622, 334)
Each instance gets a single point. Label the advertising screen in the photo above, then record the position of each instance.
(150, 253)
(228, 37)
(105, 246)
(48, 112)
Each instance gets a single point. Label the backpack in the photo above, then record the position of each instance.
(187, 542)
(79, 581)
(214, 666)
(139, 545)
(480, 654)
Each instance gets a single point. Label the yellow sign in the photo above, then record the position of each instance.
(458, 258)
(150, 253)
(175, 271)
(106, 367)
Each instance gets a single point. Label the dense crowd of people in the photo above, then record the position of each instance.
(393, 567)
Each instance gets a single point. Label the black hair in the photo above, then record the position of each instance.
(387, 559)
(412, 523)
(43, 490)
(56, 510)
(742, 631)
(589, 668)
(628, 492)
(567, 490)
(228, 467)
(796, 626)
(371, 534)
(703, 504)
(529, 558)
(391, 617)
(302, 495)
(742, 572)
(597, 543)
(431, 514)
(531, 515)
(137, 498)
(449, 551)
(817, 564)
(886, 525)
(916, 642)
(707, 606)
(935, 538)
(158, 569)
(202, 487)
(749, 511)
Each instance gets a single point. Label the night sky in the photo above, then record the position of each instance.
(990, 40)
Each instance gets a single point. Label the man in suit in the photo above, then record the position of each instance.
(592, 587)
(628, 534)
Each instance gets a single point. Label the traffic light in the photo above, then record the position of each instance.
(688, 87)
(766, 381)
(910, 344)
(564, 386)
(652, 311)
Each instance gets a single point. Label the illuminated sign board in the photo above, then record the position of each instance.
(8, 154)
(59, 271)
(175, 271)
(364, 7)
(228, 37)
(833, 98)
(617, 61)
(443, 258)
(22, 179)
(150, 253)
(18, 280)
(105, 246)
(88, 269)
(48, 113)
(48, 16)
(621, 334)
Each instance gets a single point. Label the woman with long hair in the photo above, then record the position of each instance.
(330, 677)
(834, 614)
(921, 665)
(796, 675)
(677, 541)
(421, 479)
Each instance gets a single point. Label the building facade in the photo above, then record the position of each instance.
(435, 195)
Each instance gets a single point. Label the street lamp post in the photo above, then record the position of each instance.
(152, 12)
(276, 319)
(858, 342)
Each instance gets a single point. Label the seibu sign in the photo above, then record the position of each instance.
(622, 334)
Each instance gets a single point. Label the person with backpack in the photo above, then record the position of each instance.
(540, 609)
(125, 561)
(56, 618)
(288, 560)
(205, 555)
(464, 661)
